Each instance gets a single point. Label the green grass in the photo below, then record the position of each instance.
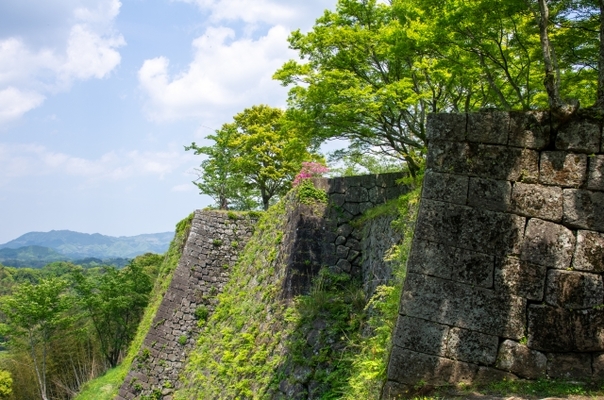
(107, 386)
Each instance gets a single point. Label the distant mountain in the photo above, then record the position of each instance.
(76, 245)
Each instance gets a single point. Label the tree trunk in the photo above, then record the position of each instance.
(600, 98)
(552, 85)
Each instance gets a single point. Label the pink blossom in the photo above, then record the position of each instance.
(309, 170)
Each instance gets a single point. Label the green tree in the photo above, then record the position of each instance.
(218, 179)
(115, 302)
(256, 155)
(34, 313)
(6, 384)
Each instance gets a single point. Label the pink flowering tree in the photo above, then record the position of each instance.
(309, 170)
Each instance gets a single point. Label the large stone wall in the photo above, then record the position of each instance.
(211, 249)
(505, 272)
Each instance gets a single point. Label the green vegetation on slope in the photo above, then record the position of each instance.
(107, 386)
(331, 343)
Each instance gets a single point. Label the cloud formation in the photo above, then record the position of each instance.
(233, 61)
(29, 72)
(18, 161)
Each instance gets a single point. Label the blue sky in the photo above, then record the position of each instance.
(98, 97)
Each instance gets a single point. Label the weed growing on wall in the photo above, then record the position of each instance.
(237, 350)
(368, 353)
(107, 386)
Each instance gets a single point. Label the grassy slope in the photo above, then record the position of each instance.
(254, 341)
(106, 387)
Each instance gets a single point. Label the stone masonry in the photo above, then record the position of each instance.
(504, 278)
(211, 249)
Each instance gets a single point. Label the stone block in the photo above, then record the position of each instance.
(521, 360)
(562, 169)
(421, 336)
(548, 244)
(448, 157)
(465, 306)
(337, 199)
(352, 208)
(483, 231)
(589, 253)
(520, 278)
(574, 290)
(473, 347)
(529, 130)
(555, 329)
(356, 194)
(486, 376)
(409, 367)
(377, 195)
(579, 135)
(583, 209)
(489, 194)
(502, 163)
(595, 177)
(569, 366)
(598, 367)
(488, 127)
(344, 230)
(388, 179)
(337, 185)
(394, 390)
(445, 187)
(446, 126)
(429, 258)
(538, 201)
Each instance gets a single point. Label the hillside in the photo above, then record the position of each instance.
(70, 245)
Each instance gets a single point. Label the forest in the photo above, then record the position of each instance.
(368, 73)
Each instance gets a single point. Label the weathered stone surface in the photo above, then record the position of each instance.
(589, 253)
(569, 366)
(520, 360)
(579, 135)
(463, 227)
(377, 240)
(490, 194)
(429, 258)
(465, 306)
(595, 178)
(421, 336)
(488, 127)
(483, 160)
(486, 375)
(393, 390)
(562, 168)
(451, 263)
(574, 290)
(520, 278)
(445, 187)
(538, 201)
(446, 126)
(549, 244)
(529, 129)
(598, 367)
(555, 329)
(583, 209)
(473, 347)
(409, 367)
(356, 194)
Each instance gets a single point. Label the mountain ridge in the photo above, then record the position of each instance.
(75, 245)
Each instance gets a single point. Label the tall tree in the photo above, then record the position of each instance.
(34, 313)
(258, 153)
(115, 302)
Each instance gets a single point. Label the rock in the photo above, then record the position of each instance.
(595, 180)
(548, 244)
(446, 126)
(589, 253)
(488, 127)
(583, 209)
(473, 347)
(574, 290)
(562, 169)
(520, 278)
(569, 366)
(529, 130)
(421, 336)
(537, 201)
(521, 360)
(579, 135)
(445, 187)
(490, 194)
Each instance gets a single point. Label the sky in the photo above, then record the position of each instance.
(98, 98)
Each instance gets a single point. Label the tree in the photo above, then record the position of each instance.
(35, 312)
(258, 154)
(218, 179)
(115, 302)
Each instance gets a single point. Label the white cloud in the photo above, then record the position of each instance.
(15, 102)
(291, 13)
(224, 73)
(19, 161)
(87, 49)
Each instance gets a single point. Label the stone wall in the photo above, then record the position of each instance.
(505, 272)
(211, 249)
(325, 235)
